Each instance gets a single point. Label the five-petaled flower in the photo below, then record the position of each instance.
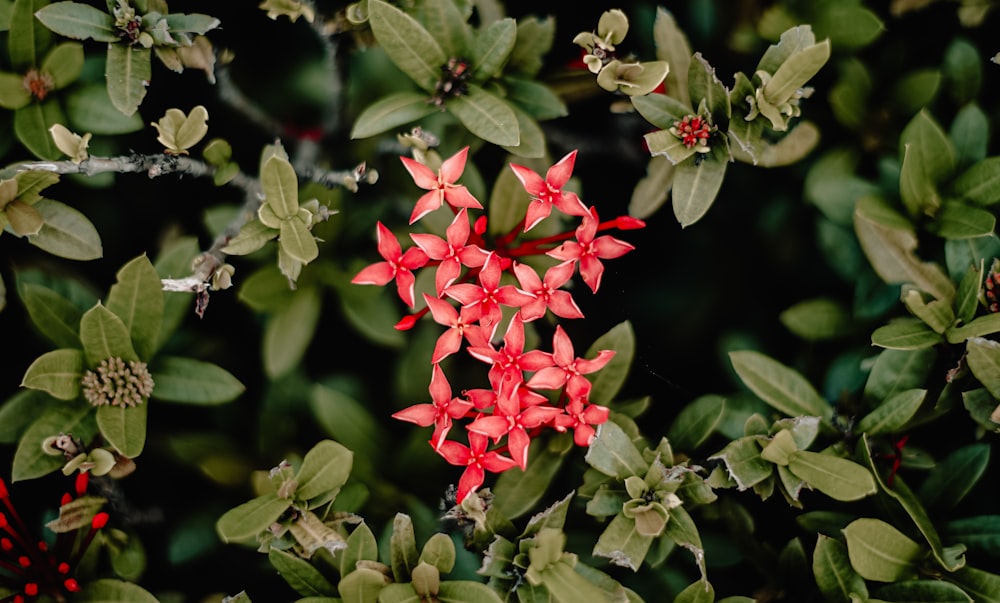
(547, 290)
(485, 299)
(440, 412)
(549, 193)
(397, 266)
(568, 370)
(581, 416)
(441, 187)
(477, 461)
(589, 251)
(510, 362)
(460, 328)
(453, 253)
(515, 427)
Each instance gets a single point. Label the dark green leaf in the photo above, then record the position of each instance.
(835, 577)
(954, 477)
(55, 316)
(191, 381)
(30, 460)
(780, 386)
(300, 574)
(390, 112)
(609, 380)
(696, 423)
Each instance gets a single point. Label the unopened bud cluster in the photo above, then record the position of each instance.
(117, 383)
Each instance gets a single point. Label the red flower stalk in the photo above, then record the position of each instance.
(30, 567)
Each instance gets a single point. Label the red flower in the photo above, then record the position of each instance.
(453, 253)
(397, 265)
(440, 412)
(581, 417)
(477, 461)
(441, 186)
(515, 427)
(486, 298)
(590, 251)
(548, 192)
(460, 326)
(547, 291)
(510, 362)
(567, 369)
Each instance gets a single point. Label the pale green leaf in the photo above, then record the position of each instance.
(608, 381)
(128, 71)
(55, 316)
(838, 478)
(325, 468)
(67, 233)
(57, 373)
(390, 112)
(835, 577)
(696, 185)
(109, 590)
(251, 518)
(281, 187)
(892, 414)
(411, 47)
(32, 123)
(191, 381)
(104, 336)
(297, 240)
(487, 116)
(795, 72)
(30, 460)
(79, 21)
(492, 47)
(137, 298)
(780, 386)
(613, 453)
(124, 428)
(878, 551)
(289, 331)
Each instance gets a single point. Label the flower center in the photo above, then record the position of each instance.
(117, 383)
(693, 130)
(453, 82)
(38, 83)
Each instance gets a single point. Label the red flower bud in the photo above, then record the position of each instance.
(629, 223)
(100, 520)
(479, 227)
(407, 322)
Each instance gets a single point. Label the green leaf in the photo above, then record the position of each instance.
(532, 139)
(30, 460)
(297, 241)
(508, 203)
(892, 415)
(963, 71)
(179, 132)
(780, 448)
(609, 380)
(411, 47)
(698, 592)
(835, 577)
(467, 590)
(780, 386)
(124, 428)
(191, 381)
(697, 184)
(650, 193)
(905, 334)
(390, 112)
(128, 71)
(535, 36)
(878, 551)
(67, 233)
(661, 110)
(487, 116)
(32, 123)
(982, 586)
(920, 591)
(79, 21)
(838, 478)
(983, 356)
(981, 533)
(518, 492)
(704, 87)
(108, 590)
(980, 183)
(795, 72)
(104, 336)
(890, 242)
(137, 298)
(55, 316)
(325, 468)
(969, 133)
(13, 94)
(28, 38)
(244, 522)
(64, 63)
(933, 152)
(696, 422)
(848, 26)
(300, 574)
(447, 21)
(817, 319)
(744, 463)
(960, 221)
(403, 548)
(363, 584)
(281, 187)
(289, 331)
(952, 479)
(672, 46)
(349, 422)
(361, 546)
(19, 410)
(534, 98)
(439, 552)
(613, 453)
(492, 47)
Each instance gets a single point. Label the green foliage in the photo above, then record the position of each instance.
(792, 397)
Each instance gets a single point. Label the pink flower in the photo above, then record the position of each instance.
(548, 192)
(485, 299)
(590, 251)
(567, 369)
(441, 186)
(581, 417)
(460, 327)
(397, 265)
(547, 291)
(515, 427)
(510, 361)
(477, 461)
(440, 412)
(452, 253)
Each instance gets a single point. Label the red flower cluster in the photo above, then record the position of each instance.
(469, 301)
(32, 568)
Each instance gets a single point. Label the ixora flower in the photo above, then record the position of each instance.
(397, 266)
(440, 412)
(477, 461)
(441, 187)
(548, 192)
(589, 251)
